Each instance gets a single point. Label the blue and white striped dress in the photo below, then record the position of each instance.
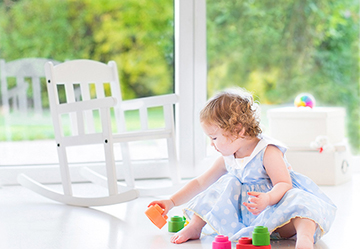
(221, 204)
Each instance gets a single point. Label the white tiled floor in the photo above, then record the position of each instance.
(30, 221)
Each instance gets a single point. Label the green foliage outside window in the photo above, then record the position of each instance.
(137, 34)
(276, 49)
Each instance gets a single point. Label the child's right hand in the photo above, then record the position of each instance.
(167, 205)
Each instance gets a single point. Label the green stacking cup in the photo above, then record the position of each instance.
(261, 236)
(176, 223)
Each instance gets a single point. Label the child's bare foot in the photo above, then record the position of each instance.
(304, 242)
(191, 231)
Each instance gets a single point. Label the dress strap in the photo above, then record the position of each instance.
(240, 163)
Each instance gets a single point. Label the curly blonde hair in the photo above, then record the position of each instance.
(232, 110)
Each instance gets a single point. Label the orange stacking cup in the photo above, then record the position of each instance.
(154, 213)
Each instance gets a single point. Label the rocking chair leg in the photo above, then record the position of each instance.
(64, 169)
(110, 168)
(129, 176)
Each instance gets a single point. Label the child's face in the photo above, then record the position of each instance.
(221, 143)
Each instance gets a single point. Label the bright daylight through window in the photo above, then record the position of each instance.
(138, 35)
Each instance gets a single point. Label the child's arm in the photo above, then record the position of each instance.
(194, 187)
(280, 178)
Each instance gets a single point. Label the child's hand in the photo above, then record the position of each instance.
(167, 205)
(258, 202)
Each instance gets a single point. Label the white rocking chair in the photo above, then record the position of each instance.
(84, 74)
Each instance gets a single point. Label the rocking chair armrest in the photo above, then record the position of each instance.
(87, 105)
(146, 102)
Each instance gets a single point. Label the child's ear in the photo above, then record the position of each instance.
(241, 130)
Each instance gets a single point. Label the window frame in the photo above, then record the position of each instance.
(190, 81)
(190, 85)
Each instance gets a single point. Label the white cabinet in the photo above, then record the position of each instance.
(328, 163)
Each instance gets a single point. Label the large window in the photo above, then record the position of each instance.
(278, 49)
(275, 49)
(138, 35)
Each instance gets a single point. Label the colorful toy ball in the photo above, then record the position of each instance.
(305, 99)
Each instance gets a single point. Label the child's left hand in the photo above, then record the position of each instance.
(258, 202)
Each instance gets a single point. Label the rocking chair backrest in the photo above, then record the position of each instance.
(82, 80)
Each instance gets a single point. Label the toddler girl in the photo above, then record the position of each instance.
(251, 184)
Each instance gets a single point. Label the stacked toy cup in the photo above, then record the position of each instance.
(154, 213)
(305, 100)
(176, 223)
(260, 239)
(221, 242)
